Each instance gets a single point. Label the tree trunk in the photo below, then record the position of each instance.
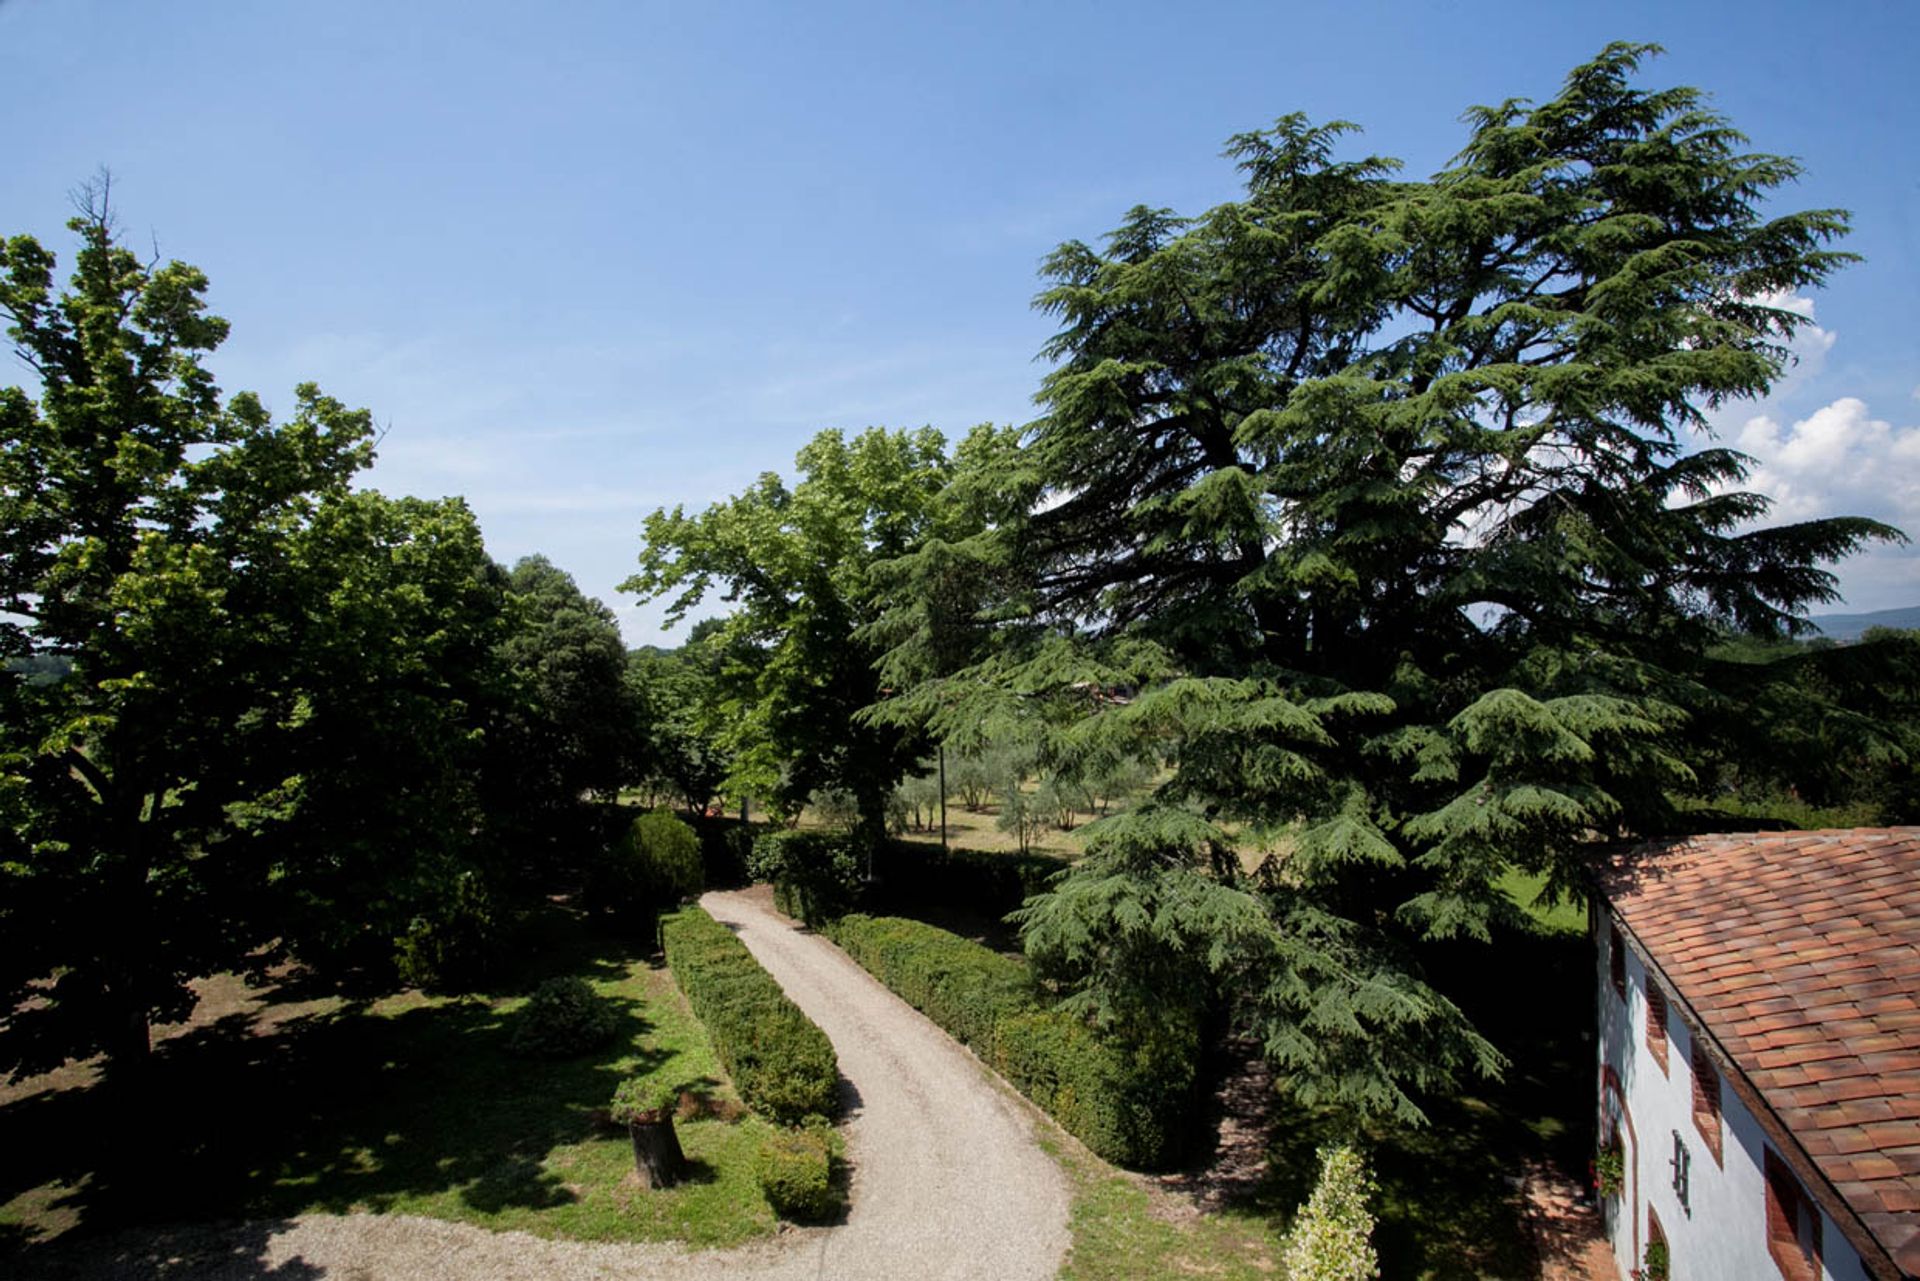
(657, 1158)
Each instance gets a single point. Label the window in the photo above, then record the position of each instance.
(1706, 1099)
(1682, 1172)
(1793, 1223)
(1658, 1263)
(1657, 1023)
(1617, 961)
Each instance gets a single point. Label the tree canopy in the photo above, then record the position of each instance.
(795, 664)
(247, 711)
(1391, 500)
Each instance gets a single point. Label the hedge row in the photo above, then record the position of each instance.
(912, 876)
(782, 1064)
(816, 875)
(1129, 1103)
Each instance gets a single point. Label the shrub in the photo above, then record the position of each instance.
(912, 878)
(725, 846)
(816, 875)
(782, 1064)
(1331, 1239)
(651, 868)
(454, 945)
(562, 1018)
(1126, 1101)
(640, 1099)
(796, 1173)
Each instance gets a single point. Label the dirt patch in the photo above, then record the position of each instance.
(1566, 1228)
(1237, 1117)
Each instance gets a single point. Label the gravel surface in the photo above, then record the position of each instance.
(948, 1183)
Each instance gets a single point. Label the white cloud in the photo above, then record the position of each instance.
(1842, 461)
(1835, 460)
(1838, 459)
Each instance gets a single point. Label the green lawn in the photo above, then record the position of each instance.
(1553, 918)
(1122, 1230)
(409, 1104)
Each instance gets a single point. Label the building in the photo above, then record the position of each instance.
(1759, 1042)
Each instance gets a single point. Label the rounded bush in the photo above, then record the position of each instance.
(796, 1174)
(564, 1017)
(653, 867)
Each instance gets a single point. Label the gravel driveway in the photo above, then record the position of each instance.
(948, 1183)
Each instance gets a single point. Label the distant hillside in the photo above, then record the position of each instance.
(1847, 627)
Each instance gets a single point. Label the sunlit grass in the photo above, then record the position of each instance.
(409, 1104)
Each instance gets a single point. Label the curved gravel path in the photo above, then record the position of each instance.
(948, 1183)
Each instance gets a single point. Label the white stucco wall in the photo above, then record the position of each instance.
(1723, 1236)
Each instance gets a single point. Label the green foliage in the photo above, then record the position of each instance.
(678, 751)
(796, 666)
(1609, 1170)
(670, 851)
(1656, 1262)
(796, 1174)
(1127, 1097)
(1374, 510)
(1816, 736)
(571, 730)
(971, 777)
(919, 802)
(912, 878)
(643, 1100)
(268, 737)
(562, 1018)
(1332, 1239)
(782, 1064)
(726, 845)
(456, 944)
(816, 875)
(654, 866)
(835, 806)
(1022, 814)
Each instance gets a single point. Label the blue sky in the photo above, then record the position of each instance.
(586, 260)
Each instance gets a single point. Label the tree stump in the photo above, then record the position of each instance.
(657, 1158)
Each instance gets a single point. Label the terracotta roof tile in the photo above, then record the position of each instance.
(1801, 953)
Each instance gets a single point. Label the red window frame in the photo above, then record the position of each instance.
(1793, 1223)
(1706, 1099)
(1657, 1023)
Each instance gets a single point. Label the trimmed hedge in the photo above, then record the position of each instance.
(1128, 1103)
(782, 1064)
(725, 844)
(795, 1169)
(912, 877)
(816, 875)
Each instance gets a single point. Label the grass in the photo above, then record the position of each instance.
(1553, 918)
(409, 1104)
(1124, 1229)
(980, 830)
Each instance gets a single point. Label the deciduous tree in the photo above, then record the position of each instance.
(796, 562)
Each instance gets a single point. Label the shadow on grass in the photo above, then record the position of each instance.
(331, 1111)
(1450, 1204)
